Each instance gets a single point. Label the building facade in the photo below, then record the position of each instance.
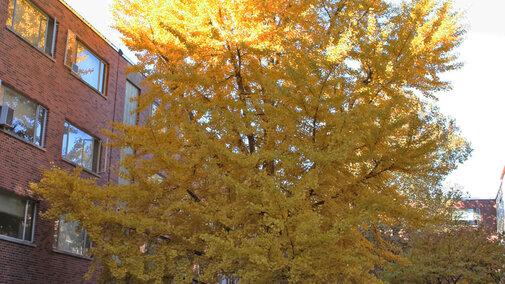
(61, 82)
(477, 212)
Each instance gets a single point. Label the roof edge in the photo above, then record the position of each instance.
(118, 50)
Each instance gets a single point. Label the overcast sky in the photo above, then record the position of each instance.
(477, 101)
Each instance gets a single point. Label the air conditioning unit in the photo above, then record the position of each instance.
(75, 68)
(6, 116)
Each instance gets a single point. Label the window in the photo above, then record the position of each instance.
(87, 65)
(159, 122)
(17, 216)
(80, 148)
(67, 237)
(469, 216)
(124, 152)
(154, 107)
(156, 178)
(30, 118)
(130, 104)
(500, 209)
(129, 118)
(33, 25)
(500, 222)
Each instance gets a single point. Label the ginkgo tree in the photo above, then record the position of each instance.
(283, 132)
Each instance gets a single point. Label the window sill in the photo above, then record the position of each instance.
(17, 241)
(30, 44)
(86, 83)
(71, 254)
(22, 140)
(84, 169)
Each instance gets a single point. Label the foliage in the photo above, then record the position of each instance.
(283, 131)
(461, 255)
(437, 204)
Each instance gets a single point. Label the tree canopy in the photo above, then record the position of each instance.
(287, 134)
(458, 255)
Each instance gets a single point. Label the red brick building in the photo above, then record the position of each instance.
(61, 82)
(478, 212)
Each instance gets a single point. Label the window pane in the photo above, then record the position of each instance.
(24, 114)
(69, 238)
(154, 107)
(30, 23)
(500, 211)
(79, 147)
(42, 33)
(87, 242)
(12, 216)
(156, 178)
(65, 141)
(29, 221)
(71, 46)
(101, 77)
(50, 37)
(96, 154)
(39, 131)
(469, 216)
(10, 13)
(89, 66)
(124, 152)
(130, 104)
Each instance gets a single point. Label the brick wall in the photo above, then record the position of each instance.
(51, 84)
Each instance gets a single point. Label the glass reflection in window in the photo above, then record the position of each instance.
(90, 67)
(16, 216)
(30, 23)
(85, 63)
(80, 148)
(29, 120)
(69, 238)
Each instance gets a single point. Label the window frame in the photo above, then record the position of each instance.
(28, 201)
(127, 115)
(37, 123)
(85, 241)
(155, 105)
(50, 34)
(71, 60)
(475, 213)
(95, 163)
(131, 118)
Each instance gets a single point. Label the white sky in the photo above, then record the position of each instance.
(477, 101)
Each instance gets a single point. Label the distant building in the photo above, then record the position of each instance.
(477, 212)
(500, 226)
